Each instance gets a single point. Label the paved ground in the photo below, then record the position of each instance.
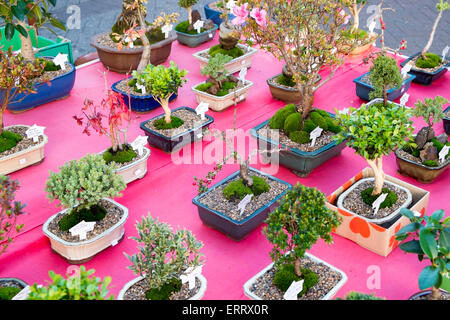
(412, 21)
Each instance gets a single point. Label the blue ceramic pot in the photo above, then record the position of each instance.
(426, 77)
(214, 15)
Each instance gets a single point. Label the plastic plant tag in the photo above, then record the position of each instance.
(139, 143)
(114, 242)
(201, 109)
(244, 202)
(60, 60)
(34, 132)
(294, 289)
(242, 74)
(405, 70)
(23, 294)
(230, 5)
(198, 25)
(371, 25)
(142, 88)
(22, 161)
(443, 153)
(243, 62)
(211, 35)
(166, 29)
(314, 135)
(138, 172)
(404, 99)
(81, 229)
(376, 204)
(189, 276)
(445, 51)
(417, 214)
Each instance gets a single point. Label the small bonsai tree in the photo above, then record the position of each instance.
(355, 8)
(430, 110)
(80, 185)
(80, 286)
(162, 82)
(163, 256)
(428, 238)
(187, 4)
(10, 210)
(353, 295)
(295, 225)
(16, 13)
(375, 132)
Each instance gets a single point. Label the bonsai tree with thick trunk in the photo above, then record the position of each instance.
(187, 4)
(375, 132)
(355, 8)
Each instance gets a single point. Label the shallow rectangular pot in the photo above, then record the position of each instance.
(170, 144)
(363, 89)
(195, 40)
(234, 65)
(83, 251)
(236, 230)
(214, 15)
(425, 77)
(379, 239)
(221, 103)
(328, 296)
(24, 158)
(420, 172)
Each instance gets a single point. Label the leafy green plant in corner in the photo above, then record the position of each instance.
(429, 238)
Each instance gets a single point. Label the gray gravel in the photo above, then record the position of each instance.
(137, 291)
(24, 144)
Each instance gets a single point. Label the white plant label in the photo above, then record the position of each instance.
(241, 98)
(81, 229)
(371, 26)
(242, 74)
(166, 29)
(22, 161)
(230, 5)
(138, 172)
(293, 290)
(443, 153)
(23, 294)
(139, 143)
(405, 70)
(198, 25)
(417, 214)
(35, 132)
(244, 202)
(243, 62)
(60, 60)
(317, 132)
(404, 99)
(114, 242)
(201, 109)
(189, 276)
(199, 135)
(142, 88)
(445, 51)
(376, 204)
(211, 35)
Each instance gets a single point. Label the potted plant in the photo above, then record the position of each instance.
(422, 161)
(17, 149)
(131, 164)
(292, 228)
(354, 295)
(10, 210)
(173, 129)
(428, 237)
(221, 89)
(374, 132)
(216, 10)
(91, 221)
(427, 66)
(60, 78)
(187, 33)
(168, 264)
(134, 42)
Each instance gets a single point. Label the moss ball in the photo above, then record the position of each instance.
(299, 137)
(204, 86)
(286, 81)
(229, 85)
(368, 198)
(94, 213)
(161, 124)
(432, 61)
(332, 125)
(236, 190)
(9, 140)
(121, 156)
(278, 119)
(7, 293)
(309, 126)
(293, 123)
(430, 163)
(286, 274)
(323, 113)
(184, 26)
(318, 120)
(165, 291)
(259, 186)
(235, 52)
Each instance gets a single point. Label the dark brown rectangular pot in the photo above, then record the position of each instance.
(421, 173)
(127, 59)
(283, 93)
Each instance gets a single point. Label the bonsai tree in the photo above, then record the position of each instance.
(428, 237)
(353, 295)
(187, 4)
(80, 286)
(305, 34)
(383, 74)
(299, 221)
(80, 185)
(116, 114)
(162, 82)
(16, 13)
(430, 110)
(355, 8)
(163, 256)
(375, 132)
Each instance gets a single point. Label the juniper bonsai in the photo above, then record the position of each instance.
(383, 74)
(430, 110)
(187, 4)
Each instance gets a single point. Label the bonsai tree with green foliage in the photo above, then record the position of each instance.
(187, 4)
(430, 110)
(20, 15)
(162, 82)
(80, 185)
(429, 238)
(80, 286)
(375, 132)
(353, 295)
(295, 225)
(355, 8)
(163, 256)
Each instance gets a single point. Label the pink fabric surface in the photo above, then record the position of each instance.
(167, 192)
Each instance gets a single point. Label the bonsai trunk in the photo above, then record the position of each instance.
(167, 111)
(26, 45)
(189, 9)
(307, 102)
(433, 31)
(385, 96)
(354, 10)
(145, 59)
(243, 172)
(1, 120)
(377, 167)
(435, 294)
(297, 269)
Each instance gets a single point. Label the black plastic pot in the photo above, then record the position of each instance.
(446, 122)
(425, 77)
(236, 230)
(363, 89)
(170, 144)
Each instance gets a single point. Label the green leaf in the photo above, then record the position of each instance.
(428, 277)
(444, 238)
(53, 2)
(412, 246)
(22, 31)
(428, 243)
(9, 31)
(57, 24)
(437, 216)
(414, 226)
(19, 12)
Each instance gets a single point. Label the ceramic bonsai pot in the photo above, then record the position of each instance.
(236, 230)
(83, 251)
(12, 282)
(285, 93)
(249, 284)
(363, 89)
(217, 103)
(59, 88)
(446, 122)
(195, 40)
(139, 103)
(418, 171)
(127, 59)
(420, 294)
(198, 296)
(24, 158)
(214, 15)
(423, 76)
(234, 65)
(170, 144)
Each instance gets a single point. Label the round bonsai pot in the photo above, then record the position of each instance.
(363, 89)
(446, 122)
(127, 59)
(423, 76)
(195, 40)
(419, 294)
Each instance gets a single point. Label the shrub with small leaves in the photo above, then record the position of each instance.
(80, 286)
(353, 295)
(430, 110)
(384, 73)
(215, 68)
